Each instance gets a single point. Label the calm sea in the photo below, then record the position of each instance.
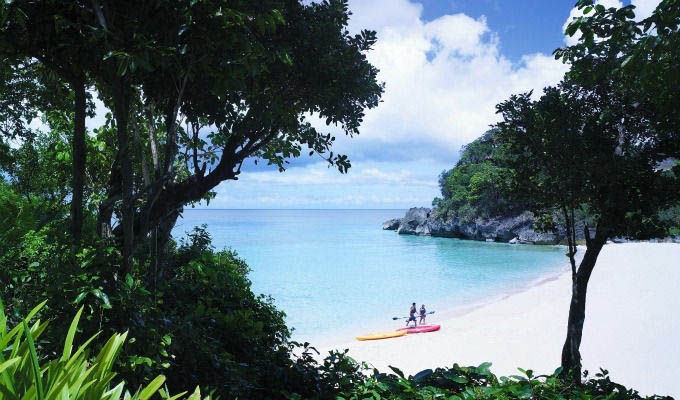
(337, 274)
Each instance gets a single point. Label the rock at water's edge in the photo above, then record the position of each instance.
(422, 221)
(415, 222)
(392, 225)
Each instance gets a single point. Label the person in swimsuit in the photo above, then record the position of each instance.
(412, 315)
(423, 312)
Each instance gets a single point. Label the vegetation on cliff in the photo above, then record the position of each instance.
(478, 185)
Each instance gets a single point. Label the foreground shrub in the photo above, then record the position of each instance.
(200, 325)
(477, 383)
(73, 375)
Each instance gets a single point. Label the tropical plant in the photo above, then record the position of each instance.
(75, 374)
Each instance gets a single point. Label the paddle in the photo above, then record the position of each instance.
(395, 318)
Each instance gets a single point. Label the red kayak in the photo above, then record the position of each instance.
(420, 329)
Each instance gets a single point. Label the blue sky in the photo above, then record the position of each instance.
(446, 64)
(524, 26)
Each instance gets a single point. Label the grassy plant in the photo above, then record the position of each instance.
(71, 375)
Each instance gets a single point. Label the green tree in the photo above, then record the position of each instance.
(193, 90)
(594, 145)
(241, 76)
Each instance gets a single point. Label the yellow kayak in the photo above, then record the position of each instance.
(382, 335)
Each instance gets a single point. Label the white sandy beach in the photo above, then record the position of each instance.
(632, 326)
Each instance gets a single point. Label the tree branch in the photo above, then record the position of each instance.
(100, 14)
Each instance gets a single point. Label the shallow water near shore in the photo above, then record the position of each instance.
(337, 274)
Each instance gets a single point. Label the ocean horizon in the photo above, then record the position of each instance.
(336, 274)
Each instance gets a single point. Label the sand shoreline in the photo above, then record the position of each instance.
(444, 311)
(631, 325)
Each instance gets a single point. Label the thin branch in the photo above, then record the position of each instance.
(171, 124)
(140, 151)
(100, 14)
(195, 128)
(152, 139)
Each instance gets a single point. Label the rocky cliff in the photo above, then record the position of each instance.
(516, 229)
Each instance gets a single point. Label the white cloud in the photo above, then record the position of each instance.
(367, 185)
(443, 78)
(360, 174)
(644, 8)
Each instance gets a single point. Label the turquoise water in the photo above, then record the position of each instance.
(336, 273)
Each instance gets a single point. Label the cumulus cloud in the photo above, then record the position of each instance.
(443, 79)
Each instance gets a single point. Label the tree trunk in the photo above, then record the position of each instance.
(571, 357)
(163, 233)
(79, 159)
(122, 103)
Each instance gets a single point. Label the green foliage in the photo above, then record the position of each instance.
(478, 383)
(671, 218)
(202, 324)
(477, 186)
(73, 374)
(207, 326)
(245, 75)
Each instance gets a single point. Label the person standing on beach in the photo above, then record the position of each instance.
(423, 313)
(412, 315)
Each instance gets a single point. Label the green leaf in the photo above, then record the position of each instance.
(627, 60)
(68, 343)
(458, 379)
(572, 28)
(34, 362)
(103, 297)
(9, 363)
(129, 280)
(483, 368)
(422, 375)
(80, 297)
(152, 387)
(396, 371)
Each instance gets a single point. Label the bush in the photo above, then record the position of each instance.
(208, 327)
(73, 375)
(458, 383)
(200, 324)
